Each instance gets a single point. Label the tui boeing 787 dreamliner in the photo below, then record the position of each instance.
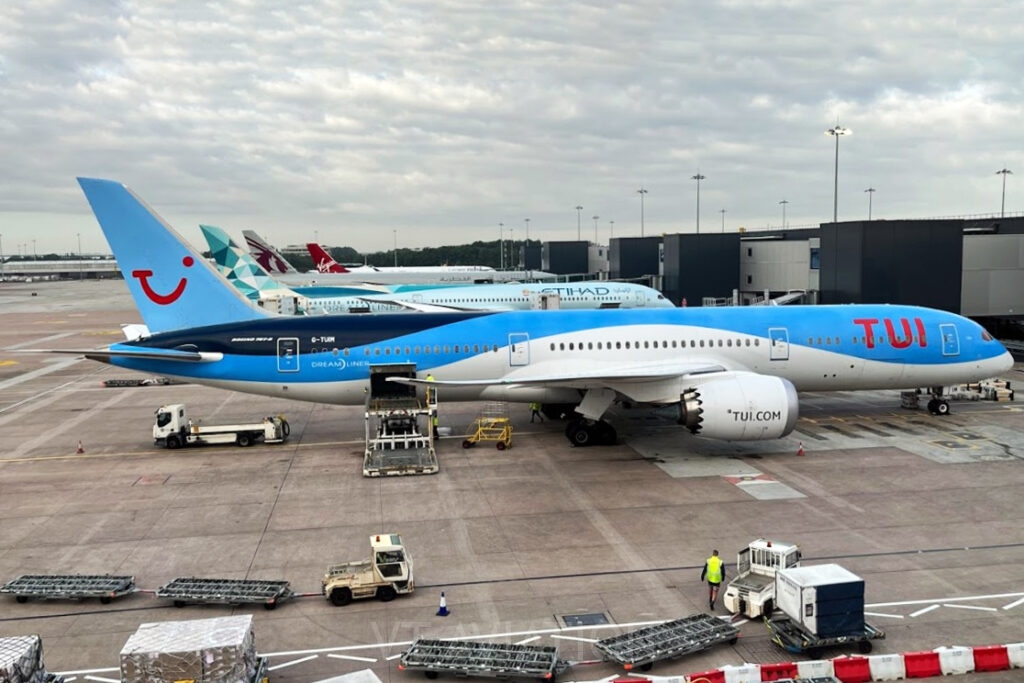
(734, 373)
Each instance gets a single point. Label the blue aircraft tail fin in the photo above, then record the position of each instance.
(174, 287)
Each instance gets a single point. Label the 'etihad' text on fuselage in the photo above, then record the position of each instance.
(578, 291)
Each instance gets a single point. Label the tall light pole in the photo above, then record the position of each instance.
(1002, 207)
(394, 235)
(836, 132)
(527, 221)
(501, 246)
(611, 231)
(784, 202)
(595, 229)
(79, 236)
(35, 254)
(641, 192)
(578, 219)
(698, 178)
(871, 194)
(512, 247)
(722, 211)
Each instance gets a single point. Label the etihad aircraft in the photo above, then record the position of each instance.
(333, 272)
(733, 372)
(247, 275)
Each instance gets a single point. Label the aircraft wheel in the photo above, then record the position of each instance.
(933, 407)
(582, 436)
(606, 434)
(942, 407)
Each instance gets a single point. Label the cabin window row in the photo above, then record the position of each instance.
(411, 350)
(663, 344)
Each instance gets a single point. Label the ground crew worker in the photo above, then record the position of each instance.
(431, 391)
(434, 423)
(535, 411)
(714, 571)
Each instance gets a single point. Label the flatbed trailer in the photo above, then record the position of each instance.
(469, 658)
(788, 635)
(192, 590)
(106, 587)
(639, 649)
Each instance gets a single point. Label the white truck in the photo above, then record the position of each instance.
(752, 592)
(173, 428)
(386, 574)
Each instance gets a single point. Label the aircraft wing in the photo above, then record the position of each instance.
(148, 354)
(585, 375)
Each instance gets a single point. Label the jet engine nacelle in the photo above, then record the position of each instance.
(739, 406)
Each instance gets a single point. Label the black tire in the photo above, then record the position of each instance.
(286, 428)
(21, 598)
(646, 667)
(430, 674)
(501, 445)
(864, 647)
(341, 597)
(467, 444)
(814, 652)
(942, 408)
(243, 439)
(173, 441)
(733, 641)
(105, 600)
(933, 407)
(270, 605)
(386, 593)
(179, 603)
(582, 436)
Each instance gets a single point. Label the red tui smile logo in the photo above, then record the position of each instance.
(154, 296)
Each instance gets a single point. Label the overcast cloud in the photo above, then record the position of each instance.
(435, 121)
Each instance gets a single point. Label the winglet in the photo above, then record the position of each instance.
(174, 287)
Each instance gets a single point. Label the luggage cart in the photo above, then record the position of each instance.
(106, 587)
(469, 658)
(193, 590)
(641, 648)
(790, 637)
(492, 424)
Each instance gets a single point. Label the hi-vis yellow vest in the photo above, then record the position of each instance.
(714, 569)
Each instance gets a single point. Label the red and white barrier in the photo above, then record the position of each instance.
(895, 667)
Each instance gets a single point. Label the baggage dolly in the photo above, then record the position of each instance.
(469, 658)
(641, 648)
(790, 637)
(106, 587)
(226, 591)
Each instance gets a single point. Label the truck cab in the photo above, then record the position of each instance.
(752, 592)
(387, 573)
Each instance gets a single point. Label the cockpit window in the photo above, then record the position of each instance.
(986, 336)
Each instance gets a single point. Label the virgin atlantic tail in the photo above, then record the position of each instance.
(324, 262)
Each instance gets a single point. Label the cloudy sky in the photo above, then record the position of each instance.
(433, 121)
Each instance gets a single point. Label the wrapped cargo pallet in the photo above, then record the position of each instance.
(218, 650)
(21, 660)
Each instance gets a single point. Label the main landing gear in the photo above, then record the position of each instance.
(938, 405)
(583, 432)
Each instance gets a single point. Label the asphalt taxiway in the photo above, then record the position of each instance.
(524, 542)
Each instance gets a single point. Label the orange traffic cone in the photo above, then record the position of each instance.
(80, 449)
(800, 448)
(442, 611)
